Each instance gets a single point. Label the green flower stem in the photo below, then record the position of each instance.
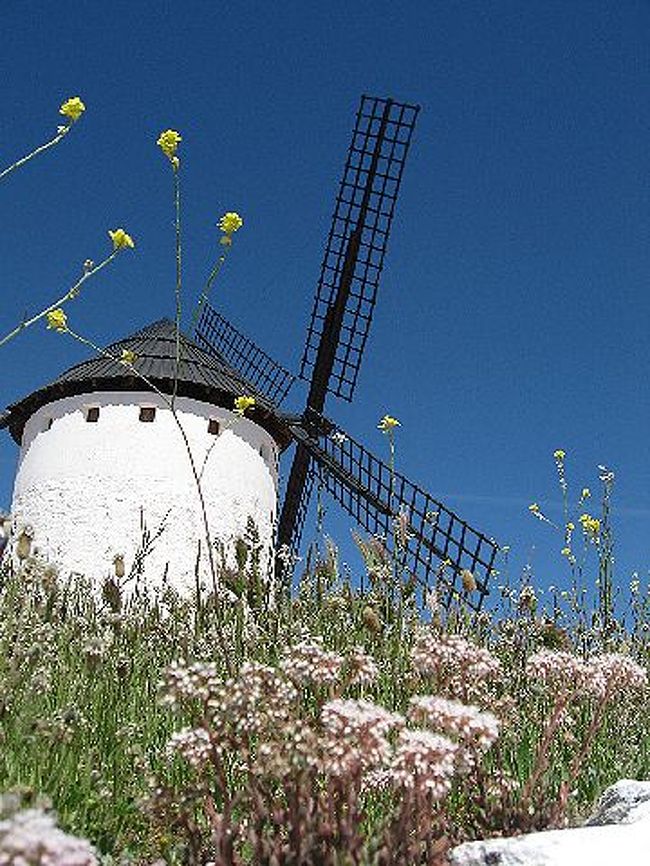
(177, 207)
(206, 290)
(204, 514)
(72, 292)
(48, 144)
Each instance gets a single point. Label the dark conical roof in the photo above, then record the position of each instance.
(201, 375)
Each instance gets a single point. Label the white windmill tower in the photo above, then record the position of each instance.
(101, 456)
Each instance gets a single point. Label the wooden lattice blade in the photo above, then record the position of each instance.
(435, 544)
(356, 246)
(218, 336)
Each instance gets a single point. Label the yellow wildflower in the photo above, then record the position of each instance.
(230, 223)
(534, 507)
(566, 551)
(168, 142)
(121, 240)
(570, 526)
(57, 320)
(72, 108)
(586, 493)
(128, 357)
(388, 424)
(559, 455)
(590, 525)
(243, 404)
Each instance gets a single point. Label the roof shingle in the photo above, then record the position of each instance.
(201, 375)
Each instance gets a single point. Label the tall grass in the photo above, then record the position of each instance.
(84, 719)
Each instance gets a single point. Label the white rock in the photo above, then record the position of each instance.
(618, 831)
(623, 803)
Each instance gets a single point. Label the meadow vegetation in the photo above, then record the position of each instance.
(339, 719)
(343, 728)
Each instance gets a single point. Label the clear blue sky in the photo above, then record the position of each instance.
(514, 308)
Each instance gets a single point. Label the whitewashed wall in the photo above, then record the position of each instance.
(85, 487)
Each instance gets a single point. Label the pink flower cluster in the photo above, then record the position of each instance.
(183, 682)
(603, 676)
(556, 669)
(31, 838)
(466, 722)
(612, 674)
(356, 736)
(460, 667)
(308, 663)
(425, 762)
(258, 699)
(361, 669)
(257, 719)
(194, 745)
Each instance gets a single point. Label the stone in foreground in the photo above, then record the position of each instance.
(618, 831)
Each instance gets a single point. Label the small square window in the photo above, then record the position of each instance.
(92, 414)
(47, 424)
(147, 413)
(214, 427)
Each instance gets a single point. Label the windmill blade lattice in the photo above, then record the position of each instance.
(358, 237)
(387, 504)
(241, 353)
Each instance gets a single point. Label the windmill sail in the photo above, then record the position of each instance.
(349, 278)
(356, 245)
(241, 353)
(431, 538)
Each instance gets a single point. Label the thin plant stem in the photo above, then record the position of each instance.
(203, 297)
(204, 514)
(177, 208)
(395, 519)
(72, 292)
(542, 755)
(62, 132)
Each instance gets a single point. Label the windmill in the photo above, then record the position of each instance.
(366, 487)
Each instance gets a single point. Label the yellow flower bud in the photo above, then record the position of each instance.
(243, 404)
(388, 423)
(121, 240)
(128, 357)
(72, 108)
(168, 142)
(57, 320)
(230, 222)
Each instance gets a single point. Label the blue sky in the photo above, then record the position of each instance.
(513, 311)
